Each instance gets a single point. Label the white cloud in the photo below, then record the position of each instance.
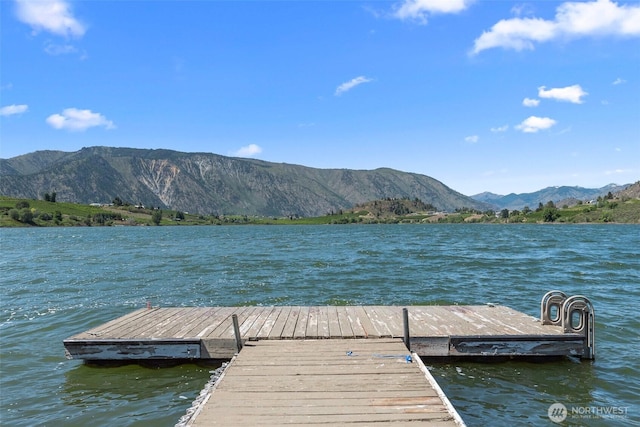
(571, 94)
(420, 9)
(248, 151)
(10, 110)
(472, 139)
(500, 129)
(534, 124)
(528, 102)
(516, 33)
(54, 16)
(572, 20)
(618, 171)
(601, 17)
(618, 81)
(78, 120)
(347, 86)
(522, 9)
(495, 172)
(59, 49)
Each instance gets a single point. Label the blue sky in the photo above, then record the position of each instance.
(497, 96)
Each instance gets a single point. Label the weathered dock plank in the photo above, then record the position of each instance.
(161, 327)
(325, 381)
(214, 328)
(198, 321)
(323, 322)
(300, 330)
(142, 324)
(289, 327)
(335, 331)
(346, 331)
(312, 322)
(264, 321)
(353, 317)
(379, 323)
(106, 328)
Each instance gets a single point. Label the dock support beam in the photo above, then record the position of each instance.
(405, 322)
(236, 331)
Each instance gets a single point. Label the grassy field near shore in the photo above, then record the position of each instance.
(39, 213)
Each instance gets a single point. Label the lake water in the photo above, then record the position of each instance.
(56, 282)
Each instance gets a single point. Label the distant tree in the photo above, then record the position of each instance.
(156, 217)
(180, 215)
(14, 214)
(100, 218)
(504, 213)
(26, 215)
(57, 215)
(550, 214)
(117, 201)
(22, 204)
(47, 197)
(540, 207)
(526, 210)
(53, 197)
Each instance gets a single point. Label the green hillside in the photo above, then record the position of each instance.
(16, 212)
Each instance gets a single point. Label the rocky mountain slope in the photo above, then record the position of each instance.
(212, 184)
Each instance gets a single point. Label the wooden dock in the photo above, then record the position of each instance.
(435, 331)
(330, 382)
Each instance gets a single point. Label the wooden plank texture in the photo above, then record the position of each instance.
(437, 331)
(330, 381)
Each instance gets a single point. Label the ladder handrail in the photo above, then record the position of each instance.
(565, 310)
(550, 300)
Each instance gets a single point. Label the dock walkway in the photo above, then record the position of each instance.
(330, 382)
(435, 331)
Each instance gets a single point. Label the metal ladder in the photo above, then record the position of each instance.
(574, 314)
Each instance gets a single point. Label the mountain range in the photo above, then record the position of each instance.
(558, 195)
(213, 184)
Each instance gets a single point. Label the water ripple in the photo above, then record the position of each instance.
(61, 281)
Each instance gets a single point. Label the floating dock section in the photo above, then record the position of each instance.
(487, 331)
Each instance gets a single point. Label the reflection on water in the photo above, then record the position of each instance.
(479, 390)
(144, 392)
